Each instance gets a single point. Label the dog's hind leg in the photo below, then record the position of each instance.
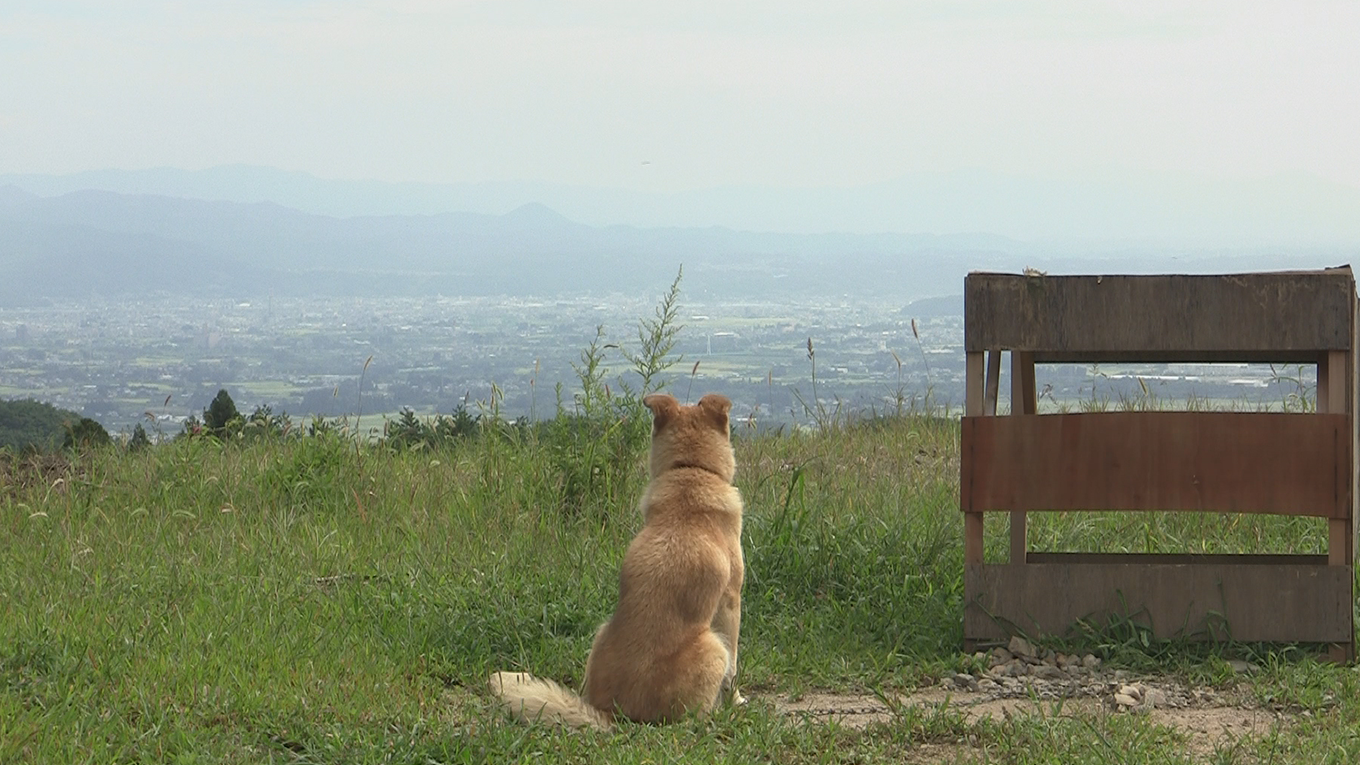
(696, 681)
(727, 626)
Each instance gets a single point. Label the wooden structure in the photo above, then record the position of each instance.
(1239, 462)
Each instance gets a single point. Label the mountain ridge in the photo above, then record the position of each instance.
(93, 241)
(1148, 210)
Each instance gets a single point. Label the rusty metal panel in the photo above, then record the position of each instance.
(1288, 464)
(1282, 316)
(1262, 600)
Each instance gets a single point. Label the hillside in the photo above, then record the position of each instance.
(32, 424)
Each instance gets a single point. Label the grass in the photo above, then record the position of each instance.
(304, 601)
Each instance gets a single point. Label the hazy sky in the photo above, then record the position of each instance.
(670, 96)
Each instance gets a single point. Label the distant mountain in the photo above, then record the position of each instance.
(1141, 210)
(90, 242)
(99, 242)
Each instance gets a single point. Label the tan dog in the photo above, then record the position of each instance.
(671, 647)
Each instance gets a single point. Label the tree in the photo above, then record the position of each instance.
(139, 440)
(220, 413)
(85, 434)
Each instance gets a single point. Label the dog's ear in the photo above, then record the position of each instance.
(715, 407)
(664, 408)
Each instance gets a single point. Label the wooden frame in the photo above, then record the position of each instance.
(1289, 464)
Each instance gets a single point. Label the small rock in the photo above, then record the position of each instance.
(1090, 661)
(1125, 701)
(1155, 698)
(1120, 675)
(965, 682)
(989, 685)
(1001, 656)
(1049, 672)
(1020, 647)
(1132, 691)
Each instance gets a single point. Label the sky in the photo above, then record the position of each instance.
(670, 97)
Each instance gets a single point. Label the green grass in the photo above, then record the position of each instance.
(302, 600)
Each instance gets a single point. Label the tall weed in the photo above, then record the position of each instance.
(595, 443)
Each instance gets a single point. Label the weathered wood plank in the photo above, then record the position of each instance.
(972, 537)
(1331, 382)
(1279, 602)
(1253, 559)
(1283, 316)
(1352, 404)
(1289, 464)
(1019, 536)
(1024, 396)
(993, 382)
(973, 383)
(1340, 542)
(1023, 401)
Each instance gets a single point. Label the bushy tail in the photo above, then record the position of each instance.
(530, 699)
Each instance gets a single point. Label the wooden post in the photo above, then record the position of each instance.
(1332, 396)
(1024, 397)
(972, 383)
(1331, 382)
(1338, 542)
(972, 538)
(1022, 403)
(993, 382)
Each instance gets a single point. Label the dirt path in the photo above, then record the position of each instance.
(1208, 720)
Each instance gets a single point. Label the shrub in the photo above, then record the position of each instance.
(85, 434)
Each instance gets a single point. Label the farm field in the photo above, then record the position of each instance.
(158, 361)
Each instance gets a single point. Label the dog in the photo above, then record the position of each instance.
(670, 649)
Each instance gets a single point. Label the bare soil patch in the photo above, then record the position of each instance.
(1208, 720)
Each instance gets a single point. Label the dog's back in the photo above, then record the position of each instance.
(671, 646)
(660, 656)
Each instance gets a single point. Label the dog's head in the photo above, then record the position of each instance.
(691, 436)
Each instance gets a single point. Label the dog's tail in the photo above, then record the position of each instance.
(530, 699)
